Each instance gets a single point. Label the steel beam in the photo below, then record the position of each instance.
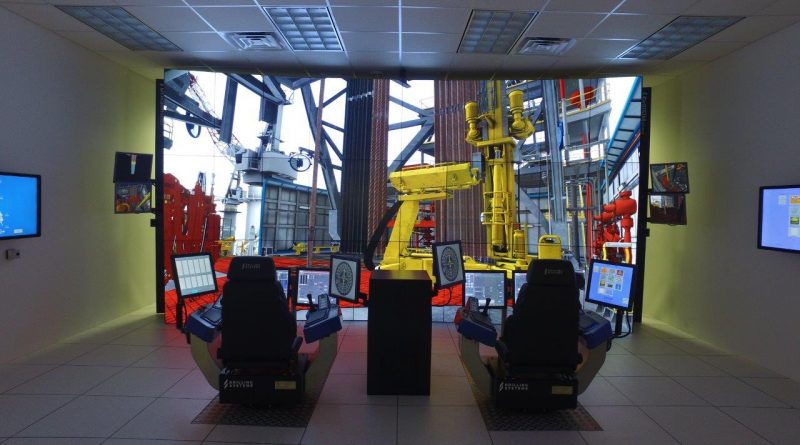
(180, 100)
(404, 104)
(414, 144)
(408, 124)
(228, 109)
(550, 104)
(324, 157)
(260, 88)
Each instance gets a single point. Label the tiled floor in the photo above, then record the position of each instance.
(133, 381)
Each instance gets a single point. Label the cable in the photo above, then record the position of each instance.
(627, 318)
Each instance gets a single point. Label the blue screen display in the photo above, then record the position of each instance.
(19, 206)
(610, 284)
(780, 218)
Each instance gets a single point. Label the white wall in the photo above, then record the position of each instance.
(64, 111)
(736, 122)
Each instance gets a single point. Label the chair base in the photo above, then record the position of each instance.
(255, 386)
(533, 391)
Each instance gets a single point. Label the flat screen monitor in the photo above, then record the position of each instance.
(345, 277)
(610, 284)
(283, 278)
(448, 264)
(20, 205)
(485, 284)
(133, 197)
(667, 208)
(313, 282)
(779, 218)
(132, 167)
(670, 178)
(520, 278)
(194, 274)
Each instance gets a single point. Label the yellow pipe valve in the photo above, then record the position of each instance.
(521, 128)
(471, 114)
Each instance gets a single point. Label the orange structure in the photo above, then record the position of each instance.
(606, 229)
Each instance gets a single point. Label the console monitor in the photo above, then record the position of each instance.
(779, 218)
(670, 178)
(132, 167)
(283, 278)
(20, 205)
(313, 282)
(483, 284)
(520, 278)
(194, 274)
(345, 277)
(610, 284)
(667, 208)
(448, 264)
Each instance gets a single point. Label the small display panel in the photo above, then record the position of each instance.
(448, 264)
(20, 203)
(485, 284)
(670, 178)
(668, 209)
(313, 282)
(345, 277)
(283, 278)
(133, 197)
(779, 218)
(132, 167)
(610, 284)
(520, 278)
(194, 274)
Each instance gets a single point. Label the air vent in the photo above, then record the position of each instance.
(494, 32)
(119, 25)
(545, 46)
(678, 36)
(254, 41)
(306, 29)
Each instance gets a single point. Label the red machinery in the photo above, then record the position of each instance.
(606, 229)
(191, 223)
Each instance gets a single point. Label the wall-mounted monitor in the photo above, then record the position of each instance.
(345, 277)
(520, 278)
(667, 208)
(283, 279)
(779, 218)
(311, 283)
(610, 284)
(194, 274)
(132, 167)
(670, 177)
(133, 197)
(448, 264)
(20, 205)
(483, 284)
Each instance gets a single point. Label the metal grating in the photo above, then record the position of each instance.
(494, 32)
(679, 35)
(119, 25)
(294, 416)
(306, 29)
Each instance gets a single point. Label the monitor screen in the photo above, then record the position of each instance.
(345, 277)
(20, 203)
(448, 264)
(485, 284)
(670, 178)
(283, 278)
(520, 278)
(610, 284)
(669, 208)
(194, 274)
(311, 282)
(132, 167)
(779, 218)
(133, 197)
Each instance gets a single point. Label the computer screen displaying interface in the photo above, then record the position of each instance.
(194, 274)
(283, 278)
(19, 206)
(520, 278)
(311, 282)
(346, 277)
(610, 284)
(485, 284)
(779, 218)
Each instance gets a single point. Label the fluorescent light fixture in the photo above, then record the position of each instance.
(258, 41)
(306, 29)
(546, 46)
(119, 25)
(494, 32)
(679, 35)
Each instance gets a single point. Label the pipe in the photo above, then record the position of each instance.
(312, 211)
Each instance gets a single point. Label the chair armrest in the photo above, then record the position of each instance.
(296, 343)
(502, 350)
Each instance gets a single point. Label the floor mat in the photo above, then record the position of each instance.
(295, 416)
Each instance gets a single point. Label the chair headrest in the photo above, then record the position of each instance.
(551, 273)
(252, 268)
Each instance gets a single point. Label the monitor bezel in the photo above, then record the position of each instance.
(513, 283)
(148, 156)
(662, 164)
(759, 238)
(356, 278)
(177, 282)
(38, 205)
(437, 273)
(586, 293)
(682, 209)
(296, 289)
(288, 281)
(505, 286)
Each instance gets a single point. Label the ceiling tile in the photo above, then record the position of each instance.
(168, 18)
(229, 57)
(92, 40)
(322, 59)
(218, 2)
(444, 20)
(374, 19)
(708, 50)
(509, 5)
(292, 2)
(584, 64)
(394, 3)
(753, 28)
(437, 43)
(790, 7)
(515, 63)
(198, 41)
(370, 41)
(630, 26)
(727, 7)
(150, 2)
(426, 60)
(600, 48)
(236, 18)
(47, 16)
(373, 60)
(80, 2)
(630, 66)
(474, 62)
(264, 59)
(655, 6)
(564, 24)
(583, 5)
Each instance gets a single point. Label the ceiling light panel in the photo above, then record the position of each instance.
(546, 46)
(494, 32)
(119, 25)
(254, 41)
(306, 29)
(678, 36)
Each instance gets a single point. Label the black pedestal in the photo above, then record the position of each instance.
(399, 333)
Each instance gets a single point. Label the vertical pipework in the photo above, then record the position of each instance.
(312, 211)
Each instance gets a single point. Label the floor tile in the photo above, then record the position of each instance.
(148, 336)
(655, 391)
(602, 393)
(702, 425)
(440, 330)
(114, 355)
(168, 357)
(626, 365)
(625, 425)
(193, 386)
(350, 363)
(357, 328)
(143, 382)
(696, 347)
(88, 416)
(167, 419)
(446, 364)
(67, 379)
(441, 345)
(778, 425)
(738, 366)
(647, 345)
(255, 434)
(58, 354)
(461, 425)
(534, 437)
(445, 390)
(351, 389)
(113, 441)
(785, 390)
(53, 441)
(354, 343)
(682, 365)
(17, 412)
(355, 424)
(14, 375)
(728, 391)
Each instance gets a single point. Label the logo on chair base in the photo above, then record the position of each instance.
(238, 384)
(508, 386)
